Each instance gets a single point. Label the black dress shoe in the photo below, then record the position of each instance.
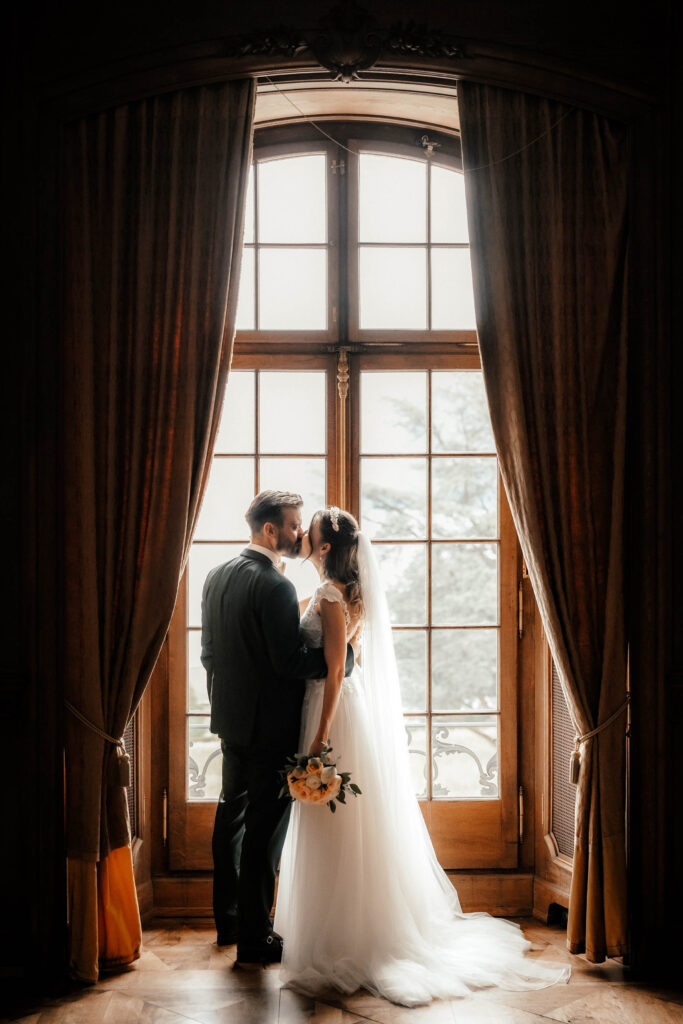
(269, 951)
(226, 930)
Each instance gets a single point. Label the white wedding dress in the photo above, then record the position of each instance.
(362, 901)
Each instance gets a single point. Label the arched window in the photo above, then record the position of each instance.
(356, 381)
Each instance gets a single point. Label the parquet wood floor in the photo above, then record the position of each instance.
(184, 978)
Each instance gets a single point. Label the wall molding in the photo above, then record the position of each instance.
(500, 893)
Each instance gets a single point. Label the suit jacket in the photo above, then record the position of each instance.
(254, 653)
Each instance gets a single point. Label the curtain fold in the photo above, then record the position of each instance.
(153, 214)
(546, 191)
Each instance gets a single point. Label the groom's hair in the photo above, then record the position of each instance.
(267, 507)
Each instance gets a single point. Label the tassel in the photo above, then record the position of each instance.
(575, 766)
(123, 768)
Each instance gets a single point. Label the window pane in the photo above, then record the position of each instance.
(245, 303)
(403, 568)
(392, 199)
(452, 295)
(465, 756)
(292, 200)
(411, 659)
(465, 497)
(236, 431)
(293, 289)
(394, 498)
(303, 575)
(465, 584)
(460, 413)
(303, 476)
(197, 695)
(449, 213)
(203, 558)
(393, 289)
(205, 763)
(465, 670)
(416, 736)
(249, 208)
(292, 412)
(393, 418)
(227, 497)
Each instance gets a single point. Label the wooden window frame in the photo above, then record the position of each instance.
(486, 834)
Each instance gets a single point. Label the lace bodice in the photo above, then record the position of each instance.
(312, 627)
(311, 623)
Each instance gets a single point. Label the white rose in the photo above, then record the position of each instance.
(313, 782)
(328, 773)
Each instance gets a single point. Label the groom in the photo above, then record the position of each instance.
(256, 661)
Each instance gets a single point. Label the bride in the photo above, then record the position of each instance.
(362, 901)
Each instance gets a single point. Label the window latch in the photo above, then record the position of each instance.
(339, 166)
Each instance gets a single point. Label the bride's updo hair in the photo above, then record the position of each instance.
(340, 530)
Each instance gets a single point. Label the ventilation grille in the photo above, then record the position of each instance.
(129, 738)
(564, 793)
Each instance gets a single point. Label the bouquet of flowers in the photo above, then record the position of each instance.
(315, 780)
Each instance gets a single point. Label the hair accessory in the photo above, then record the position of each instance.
(334, 517)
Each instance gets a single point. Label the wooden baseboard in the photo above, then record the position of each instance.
(145, 891)
(545, 893)
(503, 894)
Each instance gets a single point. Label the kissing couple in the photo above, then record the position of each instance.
(362, 901)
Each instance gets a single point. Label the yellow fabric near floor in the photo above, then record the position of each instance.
(118, 918)
(103, 914)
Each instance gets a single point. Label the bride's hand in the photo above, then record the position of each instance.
(317, 747)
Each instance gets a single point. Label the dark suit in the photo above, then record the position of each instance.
(255, 659)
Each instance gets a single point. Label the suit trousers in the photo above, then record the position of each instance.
(248, 836)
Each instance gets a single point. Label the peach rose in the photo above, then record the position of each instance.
(333, 789)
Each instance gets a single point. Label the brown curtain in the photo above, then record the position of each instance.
(153, 208)
(546, 189)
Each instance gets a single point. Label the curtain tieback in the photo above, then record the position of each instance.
(575, 760)
(123, 760)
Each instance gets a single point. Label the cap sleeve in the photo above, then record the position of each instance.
(328, 592)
